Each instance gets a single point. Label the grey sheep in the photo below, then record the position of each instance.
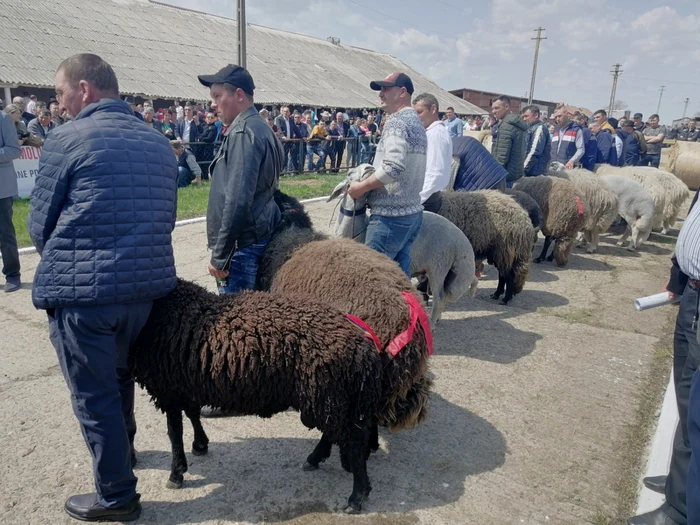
(634, 205)
(441, 251)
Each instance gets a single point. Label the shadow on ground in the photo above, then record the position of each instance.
(487, 338)
(261, 480)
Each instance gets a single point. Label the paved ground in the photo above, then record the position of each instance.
(531, 407)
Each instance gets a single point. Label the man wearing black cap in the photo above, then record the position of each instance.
(639, 122)
(399, 164)
(242, 213)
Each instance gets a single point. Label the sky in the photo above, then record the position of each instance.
(487, 45)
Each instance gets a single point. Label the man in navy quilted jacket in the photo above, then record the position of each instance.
(103, 210)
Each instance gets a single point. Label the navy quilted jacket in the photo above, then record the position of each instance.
(103, 210)
(477, 169)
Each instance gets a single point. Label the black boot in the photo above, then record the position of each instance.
(656, 483)
(655, 517)
(84, 507)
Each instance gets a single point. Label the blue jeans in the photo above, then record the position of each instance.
(243, 269)
(92, 345)
(184, 177)
(321, 152)
(693, 487)
(394, 236)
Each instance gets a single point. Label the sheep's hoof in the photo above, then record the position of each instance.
(354, 507)
(504, 302)
(351, 510)
(630, 249)
(538, 260)
(199, 450)
(174, 484)
(549, 258)
(619, 243)
(308, 467)
(590, 250)
(495, 295)
(664, 231)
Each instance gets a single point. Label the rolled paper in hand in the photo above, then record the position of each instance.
(652, 301)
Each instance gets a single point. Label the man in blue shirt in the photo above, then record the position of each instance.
(453, 124)
(106, 255)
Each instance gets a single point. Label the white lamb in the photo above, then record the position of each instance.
(635, 205)
(669, 192)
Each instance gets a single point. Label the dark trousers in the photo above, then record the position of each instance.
(8, 240)
(92, 345)
(336, 159)
(686, 358)
(693, 491)
(651, 159)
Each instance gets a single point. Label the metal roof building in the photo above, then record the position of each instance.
(158, 50)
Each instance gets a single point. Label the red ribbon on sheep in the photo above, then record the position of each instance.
(418, 315)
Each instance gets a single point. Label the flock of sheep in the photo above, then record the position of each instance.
(339, 332)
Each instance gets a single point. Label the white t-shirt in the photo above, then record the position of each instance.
(31, 107)
(439, 160)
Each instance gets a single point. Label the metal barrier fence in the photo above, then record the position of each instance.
(304, 155)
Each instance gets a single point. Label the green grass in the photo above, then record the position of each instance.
(192, 201)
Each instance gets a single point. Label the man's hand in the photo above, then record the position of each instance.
(218, 274)
(569, 165)
(672, 296)
(198, 181)
(356, 190)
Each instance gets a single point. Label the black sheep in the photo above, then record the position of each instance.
(258, 353)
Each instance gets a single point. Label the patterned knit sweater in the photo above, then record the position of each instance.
(400, 165)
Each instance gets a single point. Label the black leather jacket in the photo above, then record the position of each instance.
(242, 209)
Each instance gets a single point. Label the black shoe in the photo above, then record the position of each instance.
(13, 284)
(84, 507)
(211, 412)
(655, 517)
(656, 483)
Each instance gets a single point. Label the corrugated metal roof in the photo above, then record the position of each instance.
(157, 51)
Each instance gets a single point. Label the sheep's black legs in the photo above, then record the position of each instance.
(200, 444)
(179, 465)
(500, 288)
(320, 454)
(545, 249)
(374, 437)
(353, 456)
(509, 285)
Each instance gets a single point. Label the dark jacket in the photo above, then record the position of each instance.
(509, 145)
(630, 149)
(476, 168)
(180, 130)
(282, 125)
(35, 128)
(607, 153)
(539, 149)
(242, 209)
(209, 135)
(689, 136)
(589, 156)
(103, 210)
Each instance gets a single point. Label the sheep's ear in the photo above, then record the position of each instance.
(367, 170)
(338, 190)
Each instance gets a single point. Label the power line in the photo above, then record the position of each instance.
(538, 39)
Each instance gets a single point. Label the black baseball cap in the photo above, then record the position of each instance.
(395, 79)
(231, 74)
(637, 115)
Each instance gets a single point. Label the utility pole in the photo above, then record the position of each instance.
(240, 22)
(661, 94)
(685, 107)
(616, 73)
(538, 39)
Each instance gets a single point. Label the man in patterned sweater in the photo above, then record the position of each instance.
(394, 188)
